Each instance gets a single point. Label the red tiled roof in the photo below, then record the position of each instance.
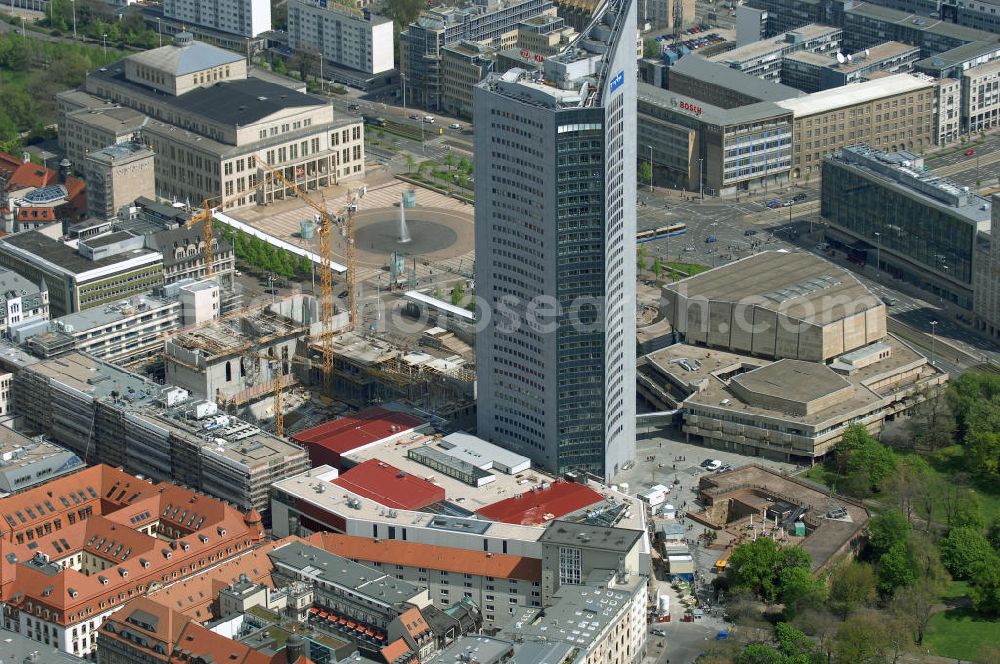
(29, 174)
(413, 622)
(349, 433)
(36, 214)
(395, 650)
(542, 505)
(389, 486)
(443, 558)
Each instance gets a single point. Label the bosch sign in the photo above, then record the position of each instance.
(691, 108)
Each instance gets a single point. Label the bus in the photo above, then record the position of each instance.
(660, 233)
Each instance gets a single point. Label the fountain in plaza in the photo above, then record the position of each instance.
(404, 230)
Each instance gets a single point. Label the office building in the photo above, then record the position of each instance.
(722, 86)
(463, 66)
(948, 110)
(116, 176)
(88, 124)
(555, 190)
(83, 274)
(981, 97)
(209, 122)
(544, 34)
(421, 43)
(670, 14)
(81, 547)
(763, 59)
(882, 208)
(105, 414)
(866, 24)
(789, 320)
(126, 333)
(813, 72)
(894, 112)
(247, 18)
(344, 36)
(183, 251)
(986, 281)
(714, 150)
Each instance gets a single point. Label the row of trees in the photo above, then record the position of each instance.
(263, 256)
(94, 19)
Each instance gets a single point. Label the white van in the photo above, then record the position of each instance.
(429, 119)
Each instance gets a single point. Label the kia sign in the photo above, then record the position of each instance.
(618, 80)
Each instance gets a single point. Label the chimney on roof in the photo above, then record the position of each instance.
(65, 166)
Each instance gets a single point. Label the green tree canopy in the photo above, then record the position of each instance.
(966, 550)
(852, 586)
(760, 566)
(896, 569)
(887, 530)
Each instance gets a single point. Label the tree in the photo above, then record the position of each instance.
(657, 267)
(896, 569)
(761, 653)
(966, 550)
(800, 589)
(278, 65)
(640, 255)
(887, 530)
(457, 294)
(852, 586)
(861, 639)
(908, 482)
(645, 173)
(795, 645)
(465, 166)
(966, 512)
(423, 166)
(449, 160)
(916, 604)
(985, 590)
(650, 48)
(870, 464)
(403, 12)
(410, 162)
(993, 535)
(760, 566)
(932, 425)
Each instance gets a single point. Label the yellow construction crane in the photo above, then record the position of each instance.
(326, 272)
(277, 363)
(207, 213)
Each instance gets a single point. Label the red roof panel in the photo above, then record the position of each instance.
(389, 486)
(349, 433)
(530, 508)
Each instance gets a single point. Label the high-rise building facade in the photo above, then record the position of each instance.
(242, 17)
(344, 36)
(555, 241)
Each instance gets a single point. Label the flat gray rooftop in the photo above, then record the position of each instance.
(597, 537)
(793, 379)
(715, 73)
(803, 286)
(108, 314)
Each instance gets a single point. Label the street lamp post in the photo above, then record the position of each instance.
(878, 253)
(402, 79)
(701, 180)
(105, 48)
(933, 340)
(73, 3)
(159, 32)
(650, 168)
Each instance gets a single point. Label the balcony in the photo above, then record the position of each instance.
(345, 627)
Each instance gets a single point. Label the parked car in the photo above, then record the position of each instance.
(970, 152)
(353, 108)
(715, 464)
(889, 301)
(800, 197)
(454, 125)
(788, 203)
(706, 463)
(429, 119)
(690, 249)
(414, 116)
(342, 295)
(658, 632)
(773, 203)
(710, 239)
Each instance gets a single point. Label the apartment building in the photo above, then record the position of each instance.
(248, 18)
(420, 44)
(83, 546)
(497, 583)
(209, 122)
(344, 36)
(22, 302)
(981, 97)
(28, 463)
(948, 110)
(895, 112)
(116, 176)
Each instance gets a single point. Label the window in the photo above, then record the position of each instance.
(570, 565)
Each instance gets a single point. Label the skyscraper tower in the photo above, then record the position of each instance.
(556, 253)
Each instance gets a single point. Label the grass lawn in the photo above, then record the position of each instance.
(690, 269)
(960, 633)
